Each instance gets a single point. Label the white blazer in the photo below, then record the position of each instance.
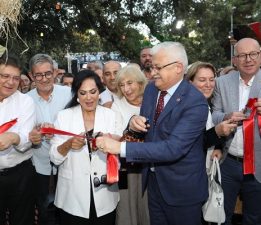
(76, 170)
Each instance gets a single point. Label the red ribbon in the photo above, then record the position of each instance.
(112, 160)
(6, 126)
(249, 129)
(49, 130)
(112, 169)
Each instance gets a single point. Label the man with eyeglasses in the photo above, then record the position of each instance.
(172, 118)
(231, 95)
(16, 170)
(49, 99)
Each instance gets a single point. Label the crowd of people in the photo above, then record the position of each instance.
(164, 119)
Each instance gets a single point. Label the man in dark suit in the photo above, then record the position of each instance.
(231, 95)
(174, 162)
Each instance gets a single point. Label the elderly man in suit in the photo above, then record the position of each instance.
(230, 98)
(174, 162)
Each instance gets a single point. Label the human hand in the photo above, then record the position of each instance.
(225, 128)
(7, 139)
(113, 136)
(35, 135)
(47, 137)
(138, 124)
(235, 116)
(216, 153)
(108, 145)
(78, 142)
(74, 143)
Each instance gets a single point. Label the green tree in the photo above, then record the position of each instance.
(204, 33)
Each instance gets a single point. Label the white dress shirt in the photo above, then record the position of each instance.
(237, 145)
(22, 107)
(46, 112)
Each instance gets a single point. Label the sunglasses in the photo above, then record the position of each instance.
(98, 182)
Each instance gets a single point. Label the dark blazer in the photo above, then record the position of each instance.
(211, 138)
(175, 145)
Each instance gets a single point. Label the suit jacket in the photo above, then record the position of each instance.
(76, 170)
(175, 145)
(226, 100)
(211, 138)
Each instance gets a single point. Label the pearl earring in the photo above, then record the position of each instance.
(78, 100)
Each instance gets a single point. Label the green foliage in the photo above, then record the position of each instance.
(204, 33)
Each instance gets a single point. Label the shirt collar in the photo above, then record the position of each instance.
(50, 97)
(9, 98)
(250, 82)
(172, 90)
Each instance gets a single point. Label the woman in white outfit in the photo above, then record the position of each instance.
(82, 193)
(133, 206)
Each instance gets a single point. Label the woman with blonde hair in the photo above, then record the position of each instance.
(133, 206)
(130, 83)
(202, 76)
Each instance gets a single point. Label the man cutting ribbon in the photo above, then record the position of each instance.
(174, 171)
(236, 97)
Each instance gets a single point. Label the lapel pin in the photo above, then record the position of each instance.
(178, 100)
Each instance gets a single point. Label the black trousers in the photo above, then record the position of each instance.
(45, 191)
(17, 194)
(108, 219)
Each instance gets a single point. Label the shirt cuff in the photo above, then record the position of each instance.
(123, 150)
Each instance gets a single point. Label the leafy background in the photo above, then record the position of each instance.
(116, 26)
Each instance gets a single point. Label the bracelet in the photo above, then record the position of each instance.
(134, 134)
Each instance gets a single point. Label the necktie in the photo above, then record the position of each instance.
(160, 105)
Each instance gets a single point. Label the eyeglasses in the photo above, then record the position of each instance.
(39, 76)
(97, 182)
(92, 92)
(6, 77)
(252, 55)
(159, 68)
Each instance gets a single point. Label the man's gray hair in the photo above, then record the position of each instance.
(244, 39)
(40, 59)
(174, 50)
